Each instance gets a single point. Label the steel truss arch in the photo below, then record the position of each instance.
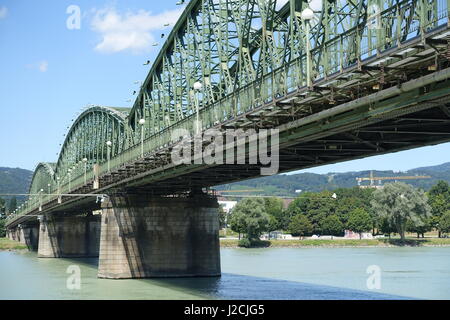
(86, 141)
(43, 178)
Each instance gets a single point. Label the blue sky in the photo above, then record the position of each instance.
(48, 72)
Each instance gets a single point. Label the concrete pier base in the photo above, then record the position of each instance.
(144, 237)
(25, 234)
(21, 235)
(29, 236)
(69, 237)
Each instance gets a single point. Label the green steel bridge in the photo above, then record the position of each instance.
(359, 78)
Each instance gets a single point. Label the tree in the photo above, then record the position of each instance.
(286, 217)
(421, 228)
(249, 217)
(399, 203)
(300, 226)
(2, 206)
(439, 200)
(332, 225)
(444, 222)
(315, 206)
(236, 221)
(12, 204)
(386, 227)
(359, 221)
(272, 225)
(274, 208)
(222, 218)
(2, 228)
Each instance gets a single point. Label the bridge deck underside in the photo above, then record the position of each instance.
(418, 129)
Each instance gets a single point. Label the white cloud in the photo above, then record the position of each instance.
(316, 5)
(132, 31)
(137, 31)
(3, 12)
(43, 66)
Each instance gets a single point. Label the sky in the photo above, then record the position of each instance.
(53, 64)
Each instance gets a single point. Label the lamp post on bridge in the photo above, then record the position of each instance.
(70, 178)
(307, 15)
(49, 191)
(109, 144)
(197, 88)
(142, 123)
(85, 169)
(59, 189)
(40, 199)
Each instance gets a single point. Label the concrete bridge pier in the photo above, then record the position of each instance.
(144, 237)
(69, 236)
(29, 236)
(15, 234)
(11, 234)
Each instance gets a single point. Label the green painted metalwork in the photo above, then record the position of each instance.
(42, 183)
(87, 140)
(231, 45)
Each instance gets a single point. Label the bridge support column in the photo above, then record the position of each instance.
(145, 237)
(29, 236)
(69, 237)
(15, 234)
(21, 235)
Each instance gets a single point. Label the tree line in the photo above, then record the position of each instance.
(395, 208)
(5, 208)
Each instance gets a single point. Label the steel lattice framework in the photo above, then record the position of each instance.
(333, 86)
(247, 46)
(87, 139)
(43, 178)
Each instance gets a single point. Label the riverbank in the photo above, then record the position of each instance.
(347, 243)
(8, 245)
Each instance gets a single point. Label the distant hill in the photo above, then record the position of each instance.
(286, 185)
(14, 181)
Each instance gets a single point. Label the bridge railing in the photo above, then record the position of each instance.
(334, 57)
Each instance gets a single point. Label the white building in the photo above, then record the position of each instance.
(227, 205)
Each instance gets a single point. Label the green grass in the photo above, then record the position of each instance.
(6, 244)
(226, 243)
(229, 233)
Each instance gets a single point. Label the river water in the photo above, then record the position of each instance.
(274, 273)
